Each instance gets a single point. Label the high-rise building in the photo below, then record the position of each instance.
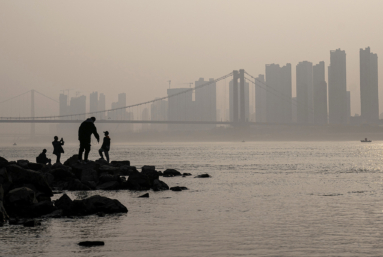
(63, 105)
(159, 112)
(180, 107)
(231, 102)
(102, 106)
(260, 99)
(93, 104)
(337, 87)
(305, 99)
(348, 107)
(78, 106)
(205, 102)
(320, 94)
(369, 99)
(279, 93)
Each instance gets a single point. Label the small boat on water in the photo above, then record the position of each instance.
(365, 140)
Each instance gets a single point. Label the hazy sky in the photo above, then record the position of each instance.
(136, 46)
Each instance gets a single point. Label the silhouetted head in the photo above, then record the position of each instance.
(45, 150)
(106, 133)
(56, 138)
(93, 118)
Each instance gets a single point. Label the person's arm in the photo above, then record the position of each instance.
(95, 133)
(62, 142)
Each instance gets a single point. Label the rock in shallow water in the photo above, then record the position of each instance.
(91, 243)
(203, 176)
(144, 195)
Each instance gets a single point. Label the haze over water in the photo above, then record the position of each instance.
(264, 199)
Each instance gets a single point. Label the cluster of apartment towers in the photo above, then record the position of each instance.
(315, 101)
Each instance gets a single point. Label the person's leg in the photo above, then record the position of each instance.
(87, 150)
(107, 155)
(100, 152)
(58, 158)
(80, 151)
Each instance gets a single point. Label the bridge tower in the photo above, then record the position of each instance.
(32, 112)
(239, 104)
(235, 96)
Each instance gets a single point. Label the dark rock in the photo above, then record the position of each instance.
(3, 213)
(76, 185)
(42, 197)
(91, 243)
(54, 214)
(15, 221)
(23, 163)
(101, 162)
(49, 178)
(167, 175)
(186, 174)
(111, 185)
(144, 195)
(120, 163)
(148, 167)
(91, 184)
(4, 176)
(100, 214)
(138, 181)
(203, 176)
(64, 203)
(42, 208)
(108, 177)
(152, 174)
(160, 173)
(159, 185)
(89, 175)
(109, 170)
(32, 223)
(177, 188)
(71, 160)
(21, 176)
(21, 196)
(3, 162)
(62, 174)
(35, 166)
(127, 170)
(1, 193)
(172, 172)
(95, 204)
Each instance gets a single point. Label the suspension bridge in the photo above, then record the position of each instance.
(237, 109)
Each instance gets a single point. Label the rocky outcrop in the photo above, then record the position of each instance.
(203, 176)
(3, 162)
(159, 185)
(95, 204)
(120, 163)
(178, 188)
(171, 173)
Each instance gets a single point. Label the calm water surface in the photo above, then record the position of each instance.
(264, 199)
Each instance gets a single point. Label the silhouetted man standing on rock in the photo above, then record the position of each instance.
(87, 128)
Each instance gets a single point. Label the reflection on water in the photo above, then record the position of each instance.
(264, 199)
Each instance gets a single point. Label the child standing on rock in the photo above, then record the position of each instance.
(105, 146)
(57, 148)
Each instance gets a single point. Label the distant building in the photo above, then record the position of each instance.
(145, 116)
(320, 94)
(102, 106)
(348, 107)
(205, 102)
(279, 93)
(260, 99)
(294, 110)
(93, 104)
(231, 103)
(305, 100)
(180, 107)
(337, 87)
(63, 105)
(159, 112)
(78, 106)
(369, 97)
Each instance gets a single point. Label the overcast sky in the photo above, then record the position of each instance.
(137, 46)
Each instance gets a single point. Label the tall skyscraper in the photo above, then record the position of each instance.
(93, 104)
(78, 106)
(231, 103)
(260, 99)
(305, 99)
(102, 106)
(320, 94)
(348, 106)
(206, 102)
(180, 107)
(63, 105)
(278, 95)
(369, 99)
(337, 87)
(159, 111)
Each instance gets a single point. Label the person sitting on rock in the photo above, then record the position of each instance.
(57, 148)
(105, 146)
(42, 158)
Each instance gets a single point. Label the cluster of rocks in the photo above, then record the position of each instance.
(26, 188)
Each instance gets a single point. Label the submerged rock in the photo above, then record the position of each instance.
(95, 204)
(144, 195)
(91, 243)
(178, 188)
(171, 172)
(32, 223)
(203, 176)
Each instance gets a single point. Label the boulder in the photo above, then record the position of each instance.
(91, 184)
(95, 204)
(35, 166)
(42, 208)
(177, 188)
(172, 172)
(3, 162)
(148, 167)
(152, 174)
(203, 176)
(120, 163)
(89, 175)
(186, 174)
(4, 176)
(109, 170)
(144, 195)
(54, 214)
(76, 185)
(91, 243)
(3, 213)
(111, 185)
(49, 178)
(127, 170)
(108, 177)
(62, 174)
(64, 203)
(21, 176)
(21, 196)
(101, 162)
(23, 163)
(71, 160)
(138, 181)
(159, 185)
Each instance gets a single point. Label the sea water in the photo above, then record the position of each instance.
(263, 199)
